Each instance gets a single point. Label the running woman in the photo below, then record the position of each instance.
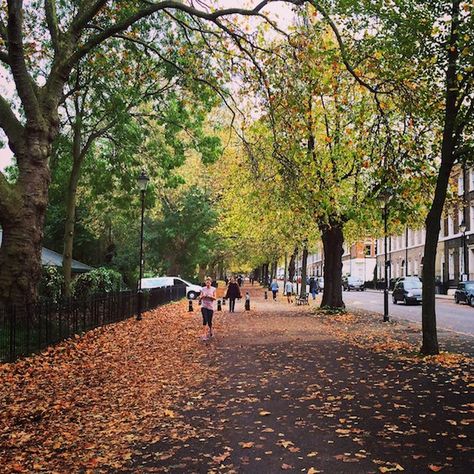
(207, 298)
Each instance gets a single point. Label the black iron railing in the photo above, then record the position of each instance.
(28, 329)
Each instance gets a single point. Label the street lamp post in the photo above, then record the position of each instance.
(304, 261)
(387, 263)
(142, 181)
(384, 200)
(462, 229)
(296, 271)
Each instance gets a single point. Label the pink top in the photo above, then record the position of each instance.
(205, 301)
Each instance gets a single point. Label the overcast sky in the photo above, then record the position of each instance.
(279, 12)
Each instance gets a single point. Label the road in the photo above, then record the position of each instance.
(450, 316)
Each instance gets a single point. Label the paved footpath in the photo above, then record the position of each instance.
(284, 392)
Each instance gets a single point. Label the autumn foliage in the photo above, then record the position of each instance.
(83, 404)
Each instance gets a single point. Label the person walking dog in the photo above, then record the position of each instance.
(232, 293)
(207, 298)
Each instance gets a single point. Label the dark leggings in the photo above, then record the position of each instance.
(231, 304)
(274, 294)
(207, 316)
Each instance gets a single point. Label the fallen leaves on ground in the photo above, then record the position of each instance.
(83, 404)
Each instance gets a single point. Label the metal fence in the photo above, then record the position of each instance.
(30, 328)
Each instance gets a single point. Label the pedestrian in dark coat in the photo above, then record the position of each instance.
(232, 293)
(313, 287)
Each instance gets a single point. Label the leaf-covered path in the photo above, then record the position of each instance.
(288, 390)
(279, 388)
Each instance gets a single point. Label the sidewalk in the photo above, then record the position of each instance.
(279, 388)
(286, 391)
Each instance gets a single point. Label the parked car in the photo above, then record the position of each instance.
(192, 291)
(353, 283)
(465, 293)
(408, 290)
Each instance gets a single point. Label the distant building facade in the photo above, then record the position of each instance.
(405, 252)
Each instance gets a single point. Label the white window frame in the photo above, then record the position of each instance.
(451, 265)
(460, 184)
(450, 225)
(460, 215)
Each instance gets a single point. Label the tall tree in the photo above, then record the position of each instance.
(41, 45)
(421, 56)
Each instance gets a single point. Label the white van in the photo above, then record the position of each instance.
(192, 291)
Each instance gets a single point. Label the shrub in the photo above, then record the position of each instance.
(99, 280)
(51, 283)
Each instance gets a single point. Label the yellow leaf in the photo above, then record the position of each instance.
(434, 468)
(397, 467)
(264, 413)
(246, 445)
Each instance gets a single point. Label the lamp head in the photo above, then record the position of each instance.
(462, 227)
(142, 181)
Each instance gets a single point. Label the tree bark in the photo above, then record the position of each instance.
(78, 157)
(304, 262)
(20, 252)
(333, 240)
(292, 265)
(428, 312)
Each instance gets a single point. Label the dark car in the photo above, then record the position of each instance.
(353, 284)
(465, 293)
(408, 290)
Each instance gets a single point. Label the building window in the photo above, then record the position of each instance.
(450, 225)
(368, 250)
(460, 215)
(451, 265)
(415, 267)
(471, 216)
(460, 184)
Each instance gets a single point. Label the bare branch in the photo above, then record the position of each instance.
(342, 48)
(52, 21)
(152, 8)
(85, 14)
(24, 83)
(10, 124)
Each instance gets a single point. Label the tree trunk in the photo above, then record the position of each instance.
(69, 225)
(23, 223)
(78, 154)
(304, 262)
(428, 312)
(333, 239)
(292, 265)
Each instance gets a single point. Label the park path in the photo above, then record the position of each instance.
(288, 390)
(280, 388)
